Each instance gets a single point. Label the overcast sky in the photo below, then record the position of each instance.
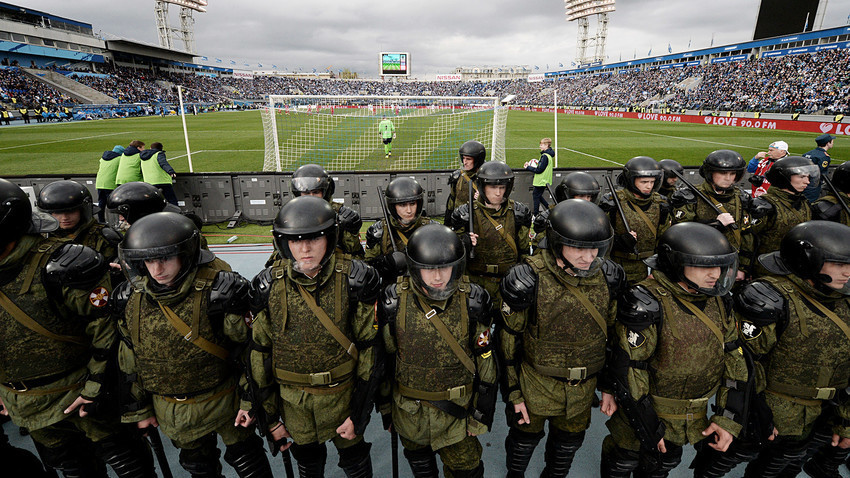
(439, 34)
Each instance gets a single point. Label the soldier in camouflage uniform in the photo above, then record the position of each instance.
(668, 185)
(500, 236)
(676, 347)
(55, 337)
(180, 320)
(576, 185)
(782, 207)
(135, 200)
(721, 170)
(646, 212)
(828, 207)
(71, 204)
(472, 156)
(552, 363)
(313, 180)
(798, 322)
(314, 356)
(405, 202)
(436, 327)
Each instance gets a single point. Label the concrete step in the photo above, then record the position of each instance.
(74, 89)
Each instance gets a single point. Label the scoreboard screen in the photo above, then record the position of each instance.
(395, 63)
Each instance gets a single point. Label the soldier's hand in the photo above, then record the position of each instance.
(147, 423)
(634, 234)
(473, 237)
(840, 442)
(520, 409)
(725, 219)
(661, 447)
(279, 435)
(740, 275)
(3, 410)
(78, 403)
(609, 405)
(346, 430)
(722, 438)
(243, 419)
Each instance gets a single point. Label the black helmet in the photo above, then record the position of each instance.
(404, 190)
(640, 167)
(475, 150)
(580, 224)
(578, 183)
(312, 177)
(780, 173)
(435, 246)
(305, 217)
(670, 165)
(16, 214)
(160, 236)
(697, 245)
(806, 247)
(494, 173)
(135, 200)
(841, 177)
(722, 160)
(66, 196)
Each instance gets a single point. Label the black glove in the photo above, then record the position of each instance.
(682, 197)
(625, 242)
(756, 180)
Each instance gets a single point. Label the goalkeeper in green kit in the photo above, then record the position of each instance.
(386, 129)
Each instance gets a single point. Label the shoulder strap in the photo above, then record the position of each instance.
(438, 324)
(704, 318)
(39, 259)
(502, 231)
(30, 323)
(830, 314)
(187, 333)
(326, 321)
(790, 293)
(652, 227)
(588, 305)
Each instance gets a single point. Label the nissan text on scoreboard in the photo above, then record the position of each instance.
(395, 64)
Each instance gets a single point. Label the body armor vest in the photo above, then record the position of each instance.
(561, 334)
(785, 218)
(301, 344)
(24, 353)
(424, 360)
(812, 353)
(460, 190)
(168, 364)
(400, 234)
(730, 201)
(688, 358)
(646, 235)
(498, 256)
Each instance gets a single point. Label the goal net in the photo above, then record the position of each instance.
(341, 132)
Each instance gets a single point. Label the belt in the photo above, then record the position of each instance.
(573, 376)
(26, 385)
(490, 270)
(337, 374)
(699, 405)
(190, 398)
(811, 393)
(450, 394)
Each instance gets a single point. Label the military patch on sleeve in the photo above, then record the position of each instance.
(636, 339)
(99, 297)
(484, 338)
(679, 214)
(825, 164)
(750, 330)
(248, 317)
(506, 309)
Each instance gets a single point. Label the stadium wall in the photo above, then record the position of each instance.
(801, 124)
(259, 196)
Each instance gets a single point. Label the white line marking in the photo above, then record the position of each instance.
(691, 139)
(65, 140)
(592, 156)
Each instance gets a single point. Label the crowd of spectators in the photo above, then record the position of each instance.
(805, 83)
(18, 89)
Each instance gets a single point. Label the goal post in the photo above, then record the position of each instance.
(341, 132)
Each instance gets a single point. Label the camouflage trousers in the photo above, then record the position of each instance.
(74, 428)
(574, 424)
(463, 455)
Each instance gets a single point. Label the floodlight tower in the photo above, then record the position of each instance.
(186, 30)
(581, 10)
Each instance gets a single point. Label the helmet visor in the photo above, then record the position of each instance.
(305, 185)
(438, 282)
(133, 261)
(657, 174)
(810, 170)
(711, 275)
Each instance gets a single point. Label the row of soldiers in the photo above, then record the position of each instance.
(426, 327)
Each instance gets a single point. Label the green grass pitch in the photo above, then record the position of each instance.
(233, 141)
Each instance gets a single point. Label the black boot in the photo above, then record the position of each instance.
(826, 461)
(661, 467)
(203, 462)
(128, 455)
(520, 446)
(561, 447)
(772, 460)
(422, 462)
(477, 472)
(73, 460)
(710, 463)
(617, 462)
(248, 458)
(355, 460)
(311, 459)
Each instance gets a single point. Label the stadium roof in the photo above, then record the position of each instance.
(134, 47)
(30, 11)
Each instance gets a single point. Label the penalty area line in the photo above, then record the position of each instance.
(64, 140)
(592, 156)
